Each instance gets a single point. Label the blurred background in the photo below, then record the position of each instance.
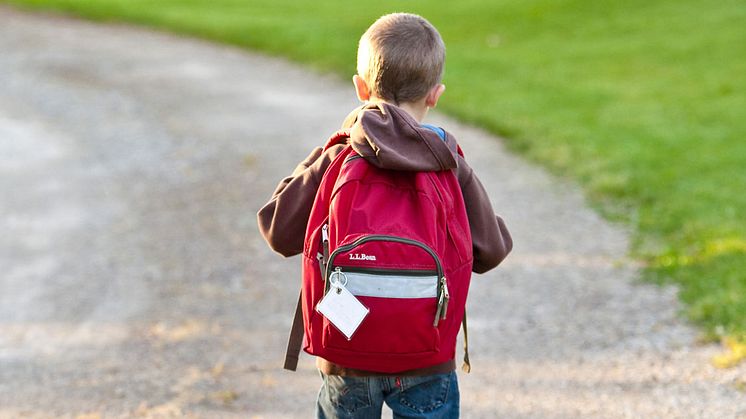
(641, 103)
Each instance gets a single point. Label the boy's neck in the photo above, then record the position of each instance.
(416, 110)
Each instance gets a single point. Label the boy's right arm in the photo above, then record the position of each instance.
(282, 221)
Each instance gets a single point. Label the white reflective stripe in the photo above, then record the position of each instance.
(391, 286)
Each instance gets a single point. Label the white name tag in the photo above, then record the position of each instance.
(342, 309)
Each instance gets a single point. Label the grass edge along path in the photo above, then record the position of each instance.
(641, 103)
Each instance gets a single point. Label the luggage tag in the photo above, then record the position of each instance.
(340, 307)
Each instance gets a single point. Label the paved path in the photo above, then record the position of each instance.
(134, 283)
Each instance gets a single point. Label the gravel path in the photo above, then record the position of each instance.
(134, 282)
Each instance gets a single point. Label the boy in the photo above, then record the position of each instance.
(400, 65)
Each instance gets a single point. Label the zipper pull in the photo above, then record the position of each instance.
(446, 297)
(443, 297)
(322, 265)
(324, 248)
(439, 310)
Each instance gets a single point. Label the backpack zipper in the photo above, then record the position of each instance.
(443, 294)
(382, 271)
(382, 237)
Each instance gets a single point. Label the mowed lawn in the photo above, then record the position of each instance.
(642, 102)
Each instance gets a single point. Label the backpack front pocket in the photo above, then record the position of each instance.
(404, 303)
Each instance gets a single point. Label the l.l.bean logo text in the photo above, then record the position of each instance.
(361, 256)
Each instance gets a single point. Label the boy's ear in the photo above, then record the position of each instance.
(432, 97)
(361, 88)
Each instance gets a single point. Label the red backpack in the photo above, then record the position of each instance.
(401, 241)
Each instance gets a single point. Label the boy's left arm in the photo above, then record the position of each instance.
(491, 240)
(282, 221)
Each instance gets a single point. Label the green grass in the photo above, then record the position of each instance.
(642, 102)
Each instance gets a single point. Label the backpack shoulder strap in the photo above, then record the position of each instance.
(466, 367)
(295, 340)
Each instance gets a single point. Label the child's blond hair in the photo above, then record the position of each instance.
(401, 57)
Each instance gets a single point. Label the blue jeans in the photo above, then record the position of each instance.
(432, 396)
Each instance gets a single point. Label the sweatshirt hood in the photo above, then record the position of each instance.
(389, 138)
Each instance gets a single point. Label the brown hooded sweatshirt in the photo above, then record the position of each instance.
(387, 137)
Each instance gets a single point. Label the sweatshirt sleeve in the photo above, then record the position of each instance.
(490, 237)
(282, 221)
